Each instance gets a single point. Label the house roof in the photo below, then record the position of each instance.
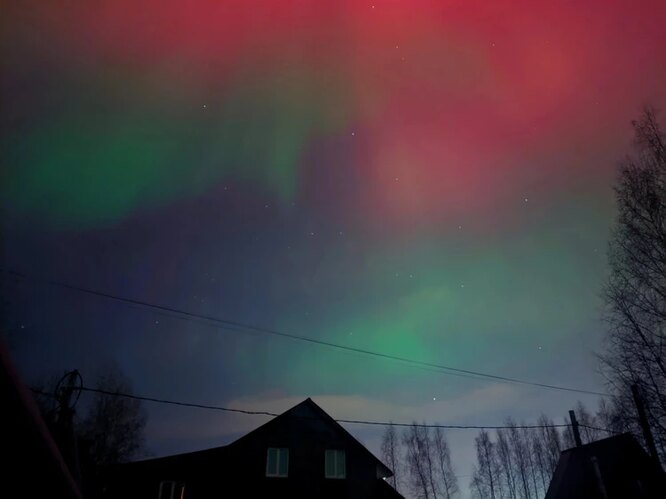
(298, 411)
(612, 467)
(309, 404)
(385, 491)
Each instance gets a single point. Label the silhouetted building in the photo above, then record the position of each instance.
(612, 468)
(301, 453)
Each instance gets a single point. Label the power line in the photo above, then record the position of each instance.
(348, 421)
(182, 404)
(235, 325)
(597, 428)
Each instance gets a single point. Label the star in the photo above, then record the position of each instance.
(353, 133)
(526, 200)
(462, 285)
(434, 398)
(204, 106)
(157, 322)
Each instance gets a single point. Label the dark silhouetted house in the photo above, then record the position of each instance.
(612, 468)
(301, 453)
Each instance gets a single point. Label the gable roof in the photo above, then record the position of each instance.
(308, 405)
(613, 467)
(384, 471)
(299, 411)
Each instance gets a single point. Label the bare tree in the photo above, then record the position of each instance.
(478, 487)
(486, 463)
(445, 469)
(417, 465)
(428, 464)
(636, 290)
(527, 435)
(611, 415)
(505, 463)
(391, 455)
(113, 426)
(550, 442)
(520, 452)
(588, 424)
(427, 450)
(43, 391)
(519, 464)
(541, 472)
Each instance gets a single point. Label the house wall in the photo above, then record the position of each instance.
(239, 470)
(307, 437)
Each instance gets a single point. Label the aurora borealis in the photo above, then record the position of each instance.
(431, 179)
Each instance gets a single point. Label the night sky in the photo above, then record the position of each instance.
(425, 179)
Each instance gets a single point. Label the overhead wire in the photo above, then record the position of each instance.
(347, 421)
(236, 325)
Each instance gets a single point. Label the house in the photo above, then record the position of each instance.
(615, 467)
(301, 453)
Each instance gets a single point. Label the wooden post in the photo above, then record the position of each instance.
(67, 438)
(642, 418)
(574, 427)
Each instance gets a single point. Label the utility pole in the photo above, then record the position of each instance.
(65, 421)
(574, 427)
(642, 418)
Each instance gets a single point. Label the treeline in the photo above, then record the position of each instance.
(518, 463)
(513, 462)
(634, 353)
(420, 458)
(635, 293)
(98, 431)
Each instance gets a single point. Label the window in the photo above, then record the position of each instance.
(277, 462)
(171, 490)
(335, 463)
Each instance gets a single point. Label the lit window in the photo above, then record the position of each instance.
(171, 490)
(277, 462)
(335, 463)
